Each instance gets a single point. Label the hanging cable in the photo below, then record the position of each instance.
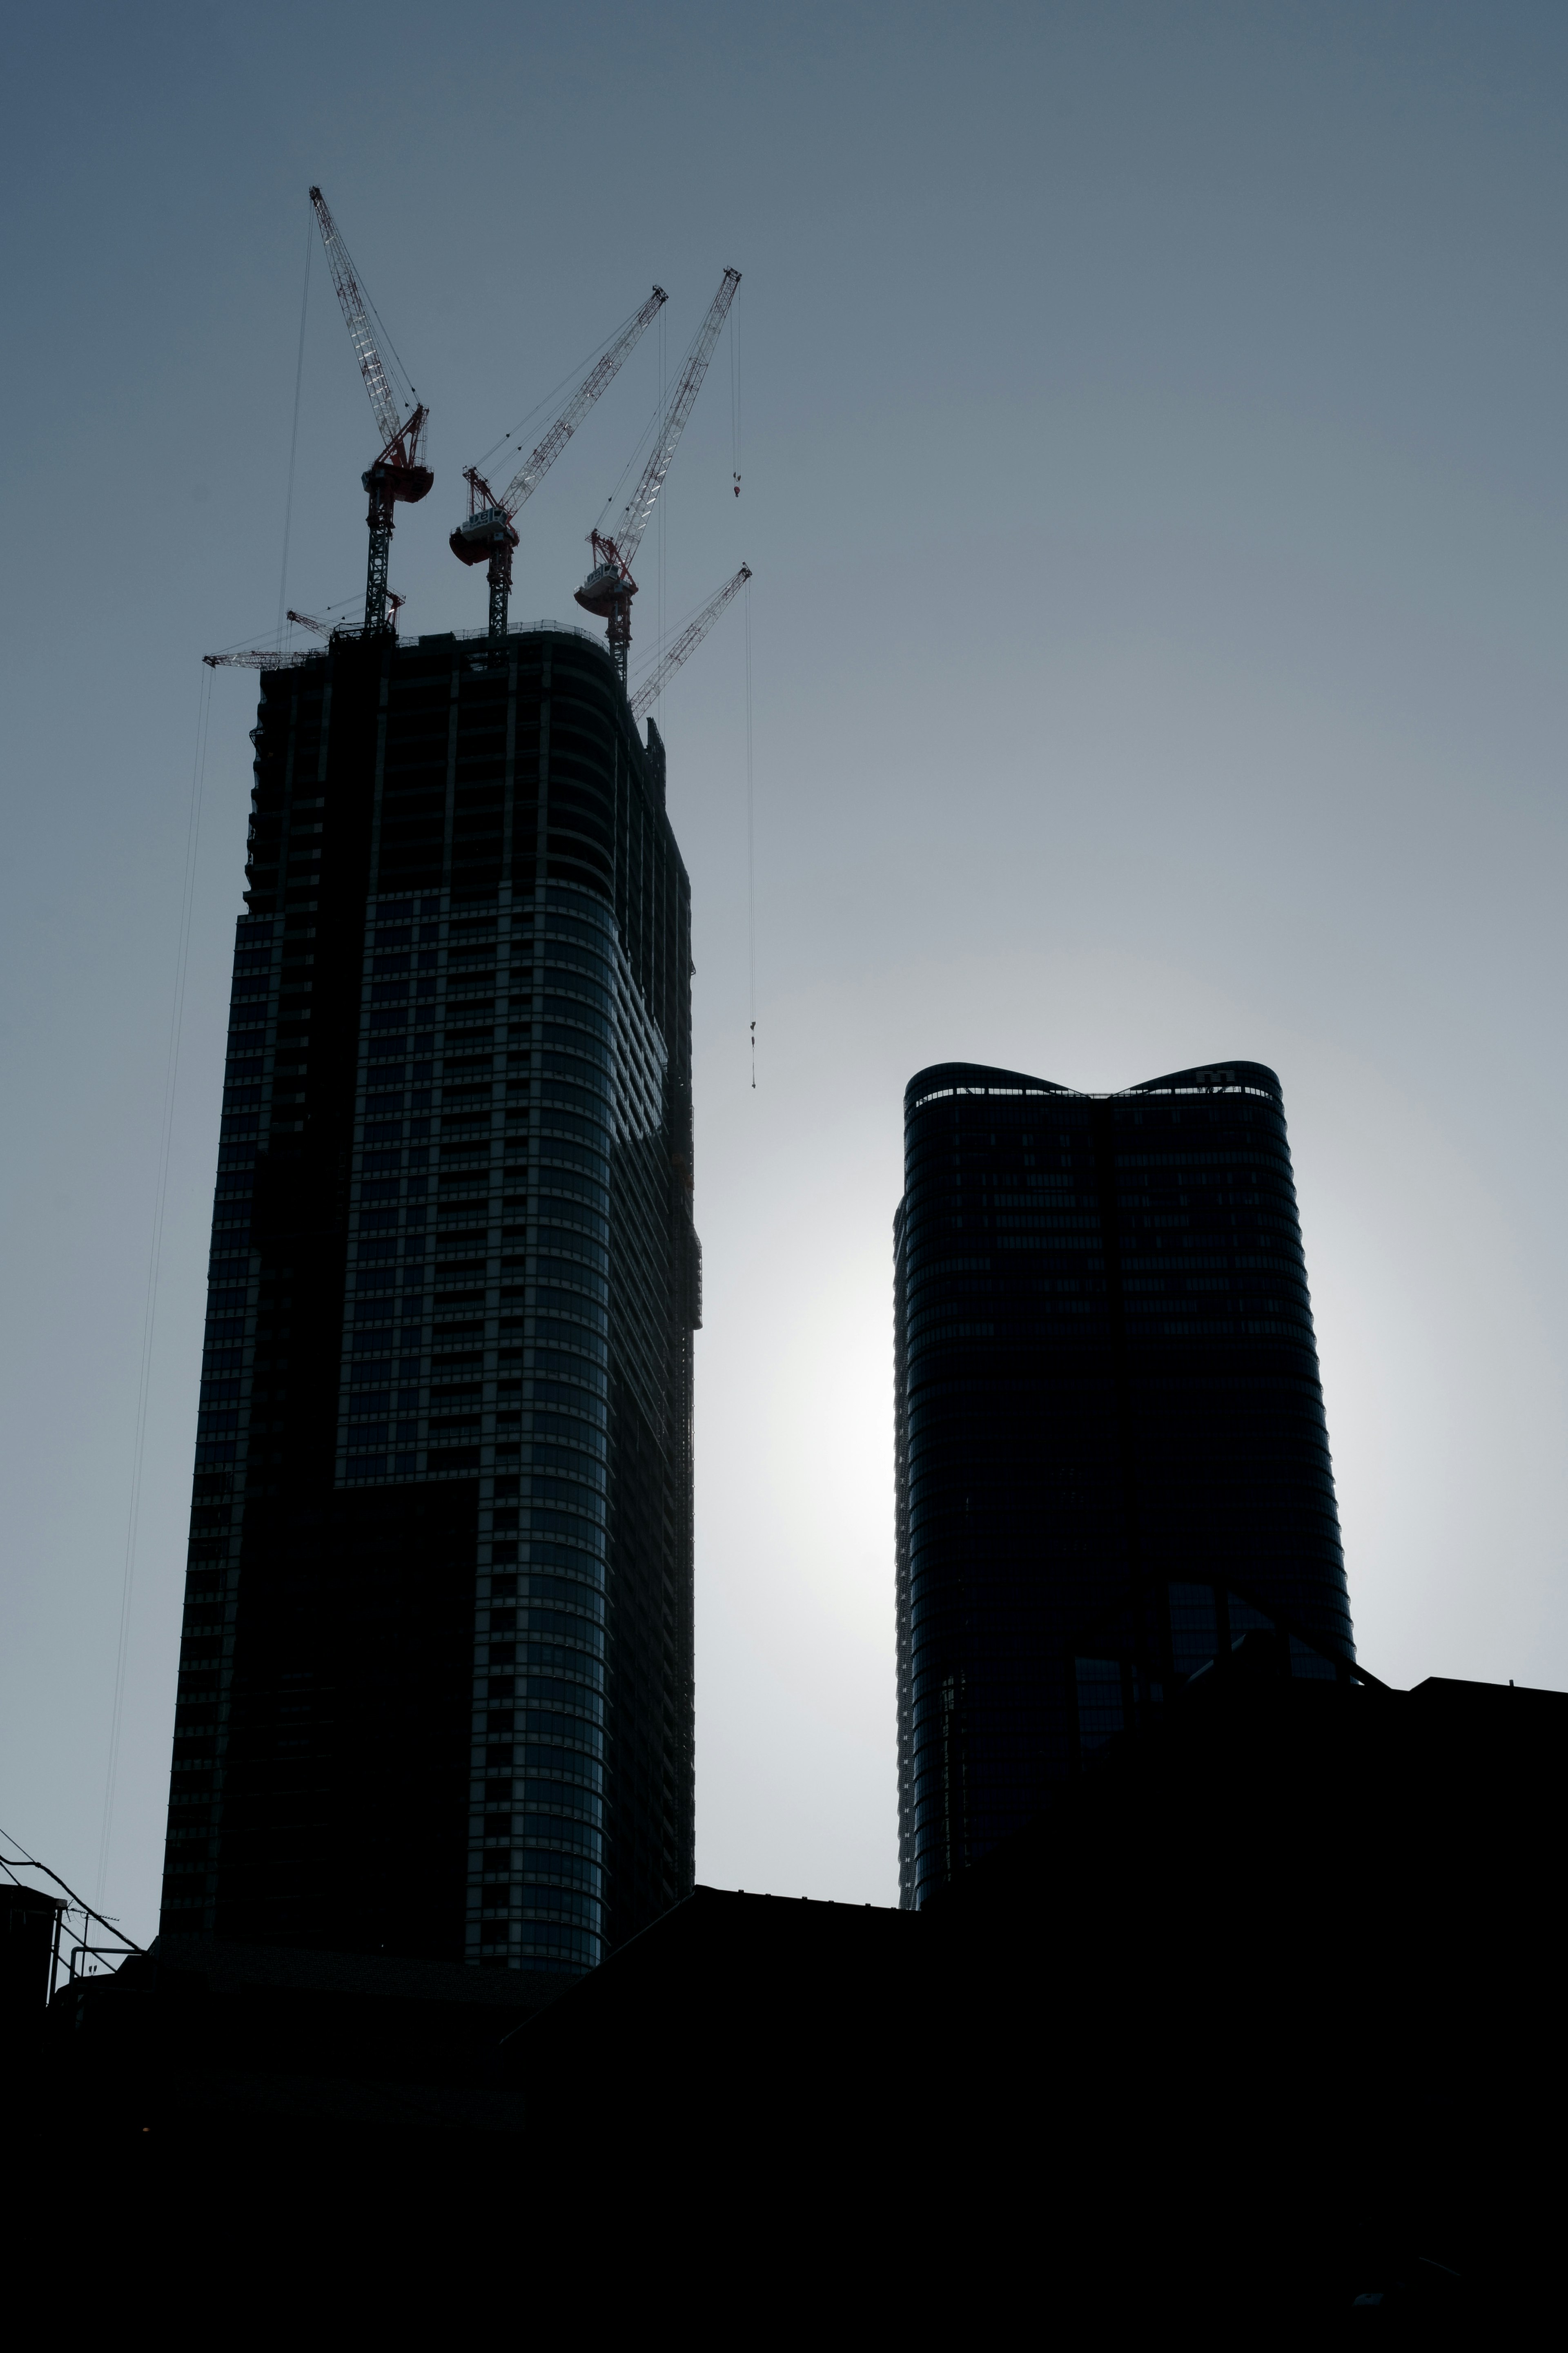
(664, 502)
(154, 1261)
(735, 391)
(750, 846)
(294, 436)
(751, 791)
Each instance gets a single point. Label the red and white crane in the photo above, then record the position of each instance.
(399, 472)
(687, 643)
(609, 588)
(488, 535)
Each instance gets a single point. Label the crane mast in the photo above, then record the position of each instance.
(488, 535)
(399, 472)
(687, 643)
(609, 588)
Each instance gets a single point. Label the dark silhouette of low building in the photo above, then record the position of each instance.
(29, 1943)
(1258, 2016)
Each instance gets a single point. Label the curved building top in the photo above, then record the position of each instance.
(1113, 1458)
(1204, 1079)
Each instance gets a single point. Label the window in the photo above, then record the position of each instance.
(1194, 1630)
(1100, 1710)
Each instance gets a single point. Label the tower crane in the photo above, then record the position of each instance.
(687, 643)
(399, 472)
(488, 535)
(609, 588)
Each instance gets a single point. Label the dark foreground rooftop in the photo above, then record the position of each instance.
(1261, 2016)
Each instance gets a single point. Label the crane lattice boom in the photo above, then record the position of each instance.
(687, 643)
(356, 311)
(609, 588)
(488, 535)
(529, 474)
(626, 537)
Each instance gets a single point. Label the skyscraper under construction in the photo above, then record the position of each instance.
(435, 1682)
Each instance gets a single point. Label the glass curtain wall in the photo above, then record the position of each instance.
(1106, 1398)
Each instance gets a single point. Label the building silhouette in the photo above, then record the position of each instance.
(1112, 1460)
(436, 1678)
(1271, 1885)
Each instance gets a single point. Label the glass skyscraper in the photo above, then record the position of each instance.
(1111, 1455)
(436, 1681)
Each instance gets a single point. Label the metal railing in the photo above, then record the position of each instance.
(516, 629)
(74, 1922)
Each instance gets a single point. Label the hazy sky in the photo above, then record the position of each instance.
(1152, 424)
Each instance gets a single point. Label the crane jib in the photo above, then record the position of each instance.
(355, 309)
(690, 638)
(540, 460)
(639, 507)
(487, 534)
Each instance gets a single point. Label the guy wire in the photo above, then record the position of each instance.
(154, 1260)
(750, 845)
(294, 436)
(664, 496)
(735, 391)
